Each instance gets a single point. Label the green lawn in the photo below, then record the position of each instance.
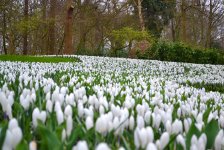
(43, 59)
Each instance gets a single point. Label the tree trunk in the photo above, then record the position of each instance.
(51, 44)
(82, 29)
(141, 20)
(173, 30)
(25, 36)
(4, 32)
(202, 35)
(183, 21)
(44, 39)
(11, 48)
(209, 30)
(68, 28)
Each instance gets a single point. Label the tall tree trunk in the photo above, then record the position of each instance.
(68, 28)
(82, 28)
(11, 47)
(44, 39)
(202, 35)
(51, 49)
(141, 19)
(183, 21)
(25, 36)
(209, 30)
(4, 32)
(173, 30)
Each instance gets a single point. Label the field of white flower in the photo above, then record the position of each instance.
(110, 103)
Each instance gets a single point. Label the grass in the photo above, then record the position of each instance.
(42, 59)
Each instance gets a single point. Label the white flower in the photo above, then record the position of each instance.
(168, 127)
(219, 140)
(164, 140)
(32, 145)
(89, 123)
(156, 120)
(24, 102)
(199, 118)
(57, 106)
(102, 146)
(48, 96)
(140, 122)
(147, 117)
(81, 145)
(60, 117)
(101, 109)
(210, 117)
(180, 139)
(221, 121)
(9, 111)
(49, 106)
(177, 127)
(69, 125)
(121, 148)
(198, 143)
(6, 104)
(68, 111)
(37, 115)
(179, 112)
(69, 99)
(116, 123)
(80, 110)
(187, 123)
(150, 134)
(102, 125)
(3, 100)
(140, 109)
(151, 146)
(143, 136)
(63, 135)
(63, 90)
(131, 123)
(13, 135)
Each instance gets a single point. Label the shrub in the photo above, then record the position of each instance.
(179, 52)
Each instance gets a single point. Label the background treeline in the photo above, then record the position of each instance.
(127, 28)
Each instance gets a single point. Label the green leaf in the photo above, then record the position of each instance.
(192, 131)
(75, 135)
(48, 139)
(23, 145)
(3, 128)
(179, 147)
(206, 114)
(211, 130)
(127, 146)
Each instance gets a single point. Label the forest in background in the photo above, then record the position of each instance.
(106, 27)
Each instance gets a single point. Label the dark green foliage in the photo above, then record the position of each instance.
(157, 14)
(215, 87)
(43, 59)
(179, 52)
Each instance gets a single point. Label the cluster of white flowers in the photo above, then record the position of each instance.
(13, 135)
(114, 95)
(6, 100)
